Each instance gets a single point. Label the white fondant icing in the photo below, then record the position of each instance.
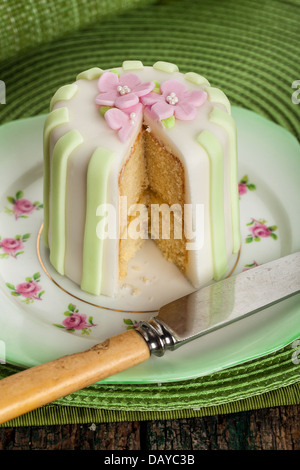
(181, 140)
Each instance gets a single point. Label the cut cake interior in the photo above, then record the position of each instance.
(153, 177)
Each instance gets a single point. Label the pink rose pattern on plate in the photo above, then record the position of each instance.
(130, 324)
(13, 247)
(21, 207)
(258, 230)
(244, 186)
(76, 321)
(251, 265)
(30, 289)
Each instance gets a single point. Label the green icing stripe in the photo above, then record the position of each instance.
(214, 150)
(97, 176)
(132, 65)
(56, 118)
(165, 66)
(61, 153)
(90, 74)
(216, 95)
(196, 79)
(221, 118)
(64, 93)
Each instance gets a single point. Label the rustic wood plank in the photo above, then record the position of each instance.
(267, 429)
(107, 436)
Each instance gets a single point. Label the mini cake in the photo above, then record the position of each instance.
(129, 153)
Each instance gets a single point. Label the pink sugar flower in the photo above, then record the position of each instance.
(122, 92)
(124, 120)
(174, 100)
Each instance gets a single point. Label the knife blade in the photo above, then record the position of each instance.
(221, 304)
(177, 323)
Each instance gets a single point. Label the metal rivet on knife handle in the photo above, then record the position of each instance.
(157, 336)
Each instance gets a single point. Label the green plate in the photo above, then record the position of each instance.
(33, 322)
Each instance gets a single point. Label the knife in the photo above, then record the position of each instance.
(177, 323)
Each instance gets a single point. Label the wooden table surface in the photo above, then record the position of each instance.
(275, 428)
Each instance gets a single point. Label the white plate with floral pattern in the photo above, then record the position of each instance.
(44, 316)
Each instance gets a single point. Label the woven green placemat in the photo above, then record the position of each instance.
(247, 48)
(26, 24)
(269, 381)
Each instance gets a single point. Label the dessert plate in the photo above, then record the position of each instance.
(44, 316)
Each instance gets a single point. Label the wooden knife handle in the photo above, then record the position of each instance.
(42, 384)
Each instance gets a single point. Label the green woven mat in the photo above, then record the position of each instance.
(267, 382)
(25, 24)
(250, 50)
